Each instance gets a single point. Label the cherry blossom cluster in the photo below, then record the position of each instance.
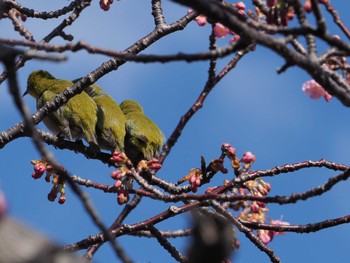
(333, 62)
(195, 179)
(281, 11)
(252, 211)
(122, 184)
(40, 167)
(118, 158)
(221, 31)
(267, 236)
(123, 176)
(255, 211)
(246, 160)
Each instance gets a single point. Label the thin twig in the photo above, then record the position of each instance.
(166, 244)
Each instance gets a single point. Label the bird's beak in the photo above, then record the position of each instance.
(25, 93)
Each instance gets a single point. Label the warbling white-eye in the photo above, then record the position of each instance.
(143, 137)
(75, 119)
(110, 128)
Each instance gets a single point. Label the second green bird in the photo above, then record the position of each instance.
(110, 128)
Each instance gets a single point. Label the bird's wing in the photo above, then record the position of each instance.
(55, 120)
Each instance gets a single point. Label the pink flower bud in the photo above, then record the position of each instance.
(266, 236)
(36, 175)
(242, 191)
(262, 190)
(230, 151)
(48, 177)
(226, 182)
(254, 207)
(118, 183)
(266, 185)
(40, 167)
(201, 20)
(105, 4)
(52, 195)
(308, 6)
(193, 179)
(154, 164)
(23, 17)
(210, 189)
(261, 204)
(62, 199)
(118, 157)
(123, 197)
(240, 5)
(116, 175)
(225, 146)
(248, 157)
(290, 14)
(241, 12)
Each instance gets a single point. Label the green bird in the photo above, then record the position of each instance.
(110, 128)
(74, 120)
(143, 137)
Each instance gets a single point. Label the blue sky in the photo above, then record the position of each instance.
(252, 108)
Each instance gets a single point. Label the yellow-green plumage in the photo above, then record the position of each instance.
(110, 127)
(143, 137)
(75, 119)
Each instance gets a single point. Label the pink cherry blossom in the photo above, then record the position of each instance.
(220, 30)
(265, 236)
(279, 223)
(315, 90)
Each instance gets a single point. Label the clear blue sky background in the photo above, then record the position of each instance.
(253, 108)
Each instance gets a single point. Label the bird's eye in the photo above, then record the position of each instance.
(142, 143)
